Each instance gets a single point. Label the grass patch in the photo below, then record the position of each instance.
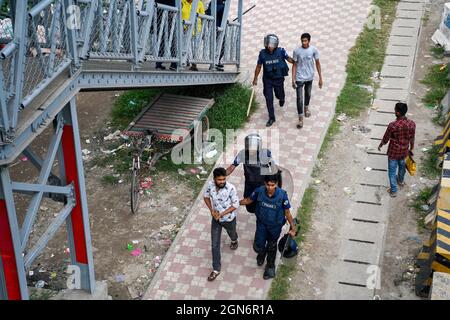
(419, 201)
(110, 180)
(429, 167)
(438, 52)
(438, 82)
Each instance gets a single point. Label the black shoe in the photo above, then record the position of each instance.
(260, 259)
(173, 67)
(269, 273)
(219, 66)
(270, 122)
(282, 103)
(160, 66)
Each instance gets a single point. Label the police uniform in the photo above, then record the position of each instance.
(254, 171)
(270, 219)
(275, 69)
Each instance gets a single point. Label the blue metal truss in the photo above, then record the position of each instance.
(57, 48)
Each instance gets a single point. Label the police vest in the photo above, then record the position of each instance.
(274, 65)
(270, 210)
(252, 167)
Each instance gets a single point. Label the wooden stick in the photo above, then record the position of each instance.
(251, 100)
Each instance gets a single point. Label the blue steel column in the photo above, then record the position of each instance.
(20, 39)
(71, 34)
(180, 43)
(71, 167)
(134, 33)
(3, 292)
(213, 11)
(238, 49)
(13, 278)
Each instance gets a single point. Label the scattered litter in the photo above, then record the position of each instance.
(194, 170)
(31, 273)
(211, 154)
(375, 108)
(113, 136)
(117, 95)
(203, 172)
(413, 185)
(425, 207)
(198, 177)
(348, 191)
(67, 250)
(136, 252)
(40, 284)
(424, 150)
(368, 169)
(43, 208)
(410, 194)
(427, 56)
(342, 117)
(23, 159)
(444, 66)
(181, 172)
(317, 181)
(114, 150)
(130, 247)
(147, 183)
(157, 259)
(85, 152)
(135, 241)
(169, 228)
(120, 278)
(88, 141)
(53, 275)
(52, 255)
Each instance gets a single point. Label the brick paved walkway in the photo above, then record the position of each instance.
(334, 26)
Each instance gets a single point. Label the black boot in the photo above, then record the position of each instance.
(271, 256)
(260, 258)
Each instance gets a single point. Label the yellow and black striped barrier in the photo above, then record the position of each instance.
(435, 254)
(443, 140)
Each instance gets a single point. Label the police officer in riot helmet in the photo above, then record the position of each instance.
(272, 212)
(257, 162)
(272, 59)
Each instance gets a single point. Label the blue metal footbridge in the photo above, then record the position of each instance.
(52, 49)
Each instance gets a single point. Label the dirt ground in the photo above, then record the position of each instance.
(403, 241)
(113, 226)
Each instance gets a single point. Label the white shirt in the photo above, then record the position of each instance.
(222, 199)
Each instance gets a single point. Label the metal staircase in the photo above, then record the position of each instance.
(53, 49)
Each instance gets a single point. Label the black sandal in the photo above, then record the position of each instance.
(213, 275)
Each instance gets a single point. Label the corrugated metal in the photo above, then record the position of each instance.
(170, 112)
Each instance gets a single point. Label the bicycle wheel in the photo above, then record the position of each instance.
(135, 191)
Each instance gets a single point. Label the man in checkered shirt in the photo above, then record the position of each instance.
(400, 135)
(222, 201)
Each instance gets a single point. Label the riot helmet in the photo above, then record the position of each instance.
(271, 40)
(253, 145)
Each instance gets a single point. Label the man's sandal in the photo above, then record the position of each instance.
(213, 275)
(307, 112)
(234, 245)
(300, 124)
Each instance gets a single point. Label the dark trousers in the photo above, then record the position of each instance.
(266, 238)
(306, 87)
(216, 233)
(271, 86)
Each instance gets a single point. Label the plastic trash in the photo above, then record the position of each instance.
(136, 252)
(40, 284)
(130, 247)
(120, 278)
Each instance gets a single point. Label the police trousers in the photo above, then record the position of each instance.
(266, 238)
(271, 86)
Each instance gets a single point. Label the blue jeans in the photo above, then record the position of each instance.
(392, 171)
